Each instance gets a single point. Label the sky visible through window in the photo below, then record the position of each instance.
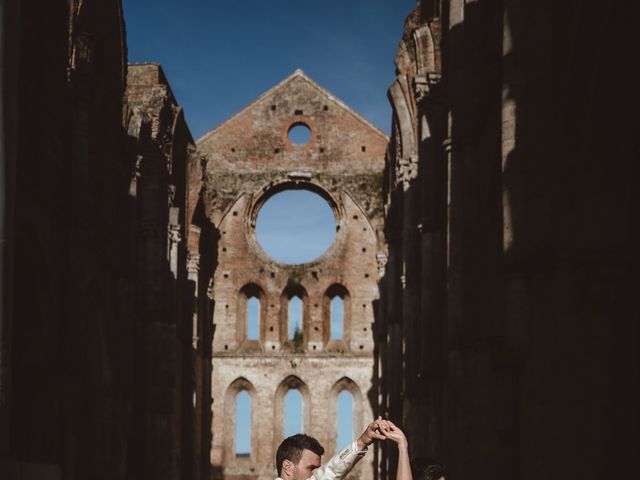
(253, 319)
(295, 316)
(243, 423)
(299, 134)
(337, 318)
(295, 226)
(345, 419)
(293, 409)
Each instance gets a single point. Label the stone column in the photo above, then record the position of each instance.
(8, 90)
(193, 267)
(174, 238)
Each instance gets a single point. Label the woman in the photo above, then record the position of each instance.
(421, 468)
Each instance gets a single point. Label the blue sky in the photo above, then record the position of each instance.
(295, 226)
(219, 55)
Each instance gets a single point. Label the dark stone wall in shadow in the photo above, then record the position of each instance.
(96, 345)
(72, 296)
(519, 357)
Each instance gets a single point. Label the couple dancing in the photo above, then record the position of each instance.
(298, 456)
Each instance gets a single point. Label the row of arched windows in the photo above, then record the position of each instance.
(293, 419)
(334, 302)
(294, 317)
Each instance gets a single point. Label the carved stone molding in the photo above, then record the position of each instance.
(193, 263)
(174, 234)
(407, 170)
(382, 259)
(426, 87)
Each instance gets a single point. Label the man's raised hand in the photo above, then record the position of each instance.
(373, 432)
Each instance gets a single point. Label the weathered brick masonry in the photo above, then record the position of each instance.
(248, 159)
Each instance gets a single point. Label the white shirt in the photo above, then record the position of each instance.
(340, 464)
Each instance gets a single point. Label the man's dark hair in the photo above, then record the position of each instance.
(291, 449)
(423, 468)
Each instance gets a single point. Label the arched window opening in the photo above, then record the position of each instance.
(293, 413)
(337, 318)
(243, 424)
(253, 318)
(345, 420)
(249, 328)
(295, 319)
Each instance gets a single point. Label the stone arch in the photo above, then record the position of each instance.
(345, 383)
(270, 189)
(229, 444)
(336, 290)
(262, 195)
(290, 383)
(293, 289)
(403, 115)
(248, 291)
(425, 50)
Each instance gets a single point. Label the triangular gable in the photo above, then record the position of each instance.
(297, 75)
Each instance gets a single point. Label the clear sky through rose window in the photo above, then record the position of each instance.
(295, 226)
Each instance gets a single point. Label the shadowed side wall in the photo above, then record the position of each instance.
(507, 301)
(95, 356)
(65, 373)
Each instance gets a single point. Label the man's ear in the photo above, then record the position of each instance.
(287, 468)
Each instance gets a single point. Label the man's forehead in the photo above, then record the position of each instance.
(310, 458)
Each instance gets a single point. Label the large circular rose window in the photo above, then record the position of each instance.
(295, 226)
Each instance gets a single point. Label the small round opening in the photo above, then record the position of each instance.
(299, 134)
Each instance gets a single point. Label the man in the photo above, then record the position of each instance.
(298, 456)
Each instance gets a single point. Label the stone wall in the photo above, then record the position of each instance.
(248, 159)
(68, 286)
(507, 300)
(163, 152)
(97, 307)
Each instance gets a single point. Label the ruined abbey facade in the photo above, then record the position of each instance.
(485, 257)
(249, 158)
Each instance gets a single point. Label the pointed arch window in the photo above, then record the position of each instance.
(337, 318)
(292, 407)
(295, 318)
(243, 424)
(344, 433)
(253, 318)
(293, 413)
(250, 316)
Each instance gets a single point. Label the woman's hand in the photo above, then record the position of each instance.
(392, 432)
